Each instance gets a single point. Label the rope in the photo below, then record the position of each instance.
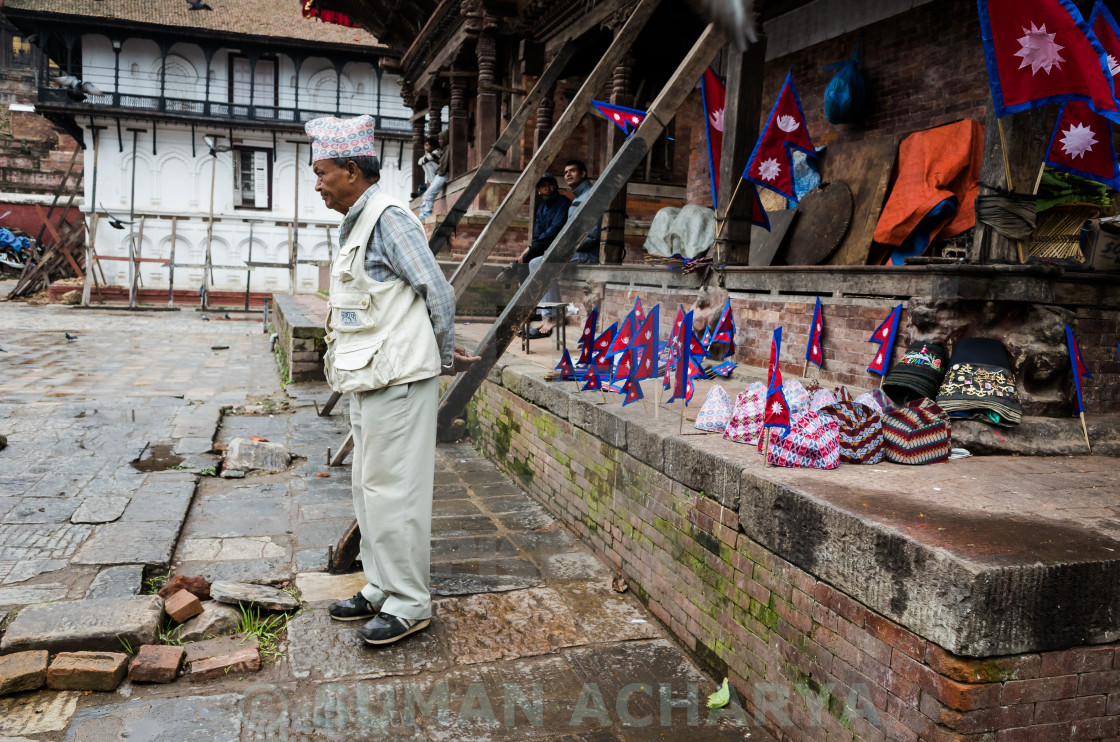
(1010, 214)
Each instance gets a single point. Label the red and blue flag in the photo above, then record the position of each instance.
(1078, 365)
(588, 335)
(713, 95)
(771, 164)
(758, 213)
(1107, 32)
(632, 389)
(884, 336)
(627, 119)
(776, 414)
(1043, 51)
(1082, 144)
(601, 347)
(565, 367)
(814, 353)
(591, 380)
(725, 329)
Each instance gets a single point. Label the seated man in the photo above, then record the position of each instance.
(430, 161)
(575, 174)
(548, 218)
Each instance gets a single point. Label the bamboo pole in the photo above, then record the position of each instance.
(1007, 175)
(1085, 430)
(766, 448)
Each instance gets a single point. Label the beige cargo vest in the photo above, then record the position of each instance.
(379, 333)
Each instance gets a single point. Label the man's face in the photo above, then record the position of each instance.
(339, 187)
(573, 176)
(546, 189)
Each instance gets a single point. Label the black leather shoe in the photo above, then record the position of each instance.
(386, 629)
(353, 609)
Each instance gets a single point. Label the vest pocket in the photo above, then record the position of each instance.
(352, 313)
(358, 366)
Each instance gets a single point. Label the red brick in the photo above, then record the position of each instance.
(1092, 729)
(1039, 689)
(894, 635)
(182, 606)
(968, 670)
(1095, 683)
(1113, 704)
(242, 660)
(980, 720)
(1069, 709)
(156, 663)
(907, 691)
(1075, 661)
(102, 671)
(865, 642)
(848, 608)
(22, 671)
(1037, 733)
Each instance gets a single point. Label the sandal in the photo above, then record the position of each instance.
(536, 334)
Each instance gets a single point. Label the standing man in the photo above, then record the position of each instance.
(390, 334)
(575, 175)
(440, 180)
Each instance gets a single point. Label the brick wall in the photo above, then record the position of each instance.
(33, 155)
(810, 661)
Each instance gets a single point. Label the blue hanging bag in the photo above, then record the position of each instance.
(845, 95)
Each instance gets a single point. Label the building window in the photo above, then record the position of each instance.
(252, 178)
(264, 83)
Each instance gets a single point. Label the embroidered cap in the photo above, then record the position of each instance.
(917, 375)
(334, 137)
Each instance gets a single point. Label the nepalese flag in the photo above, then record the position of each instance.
(592, 383)
(1082, 144)
(638, 314)
(1078, 366)
(625, 335)
(814, 353)
(625, 367)
(776, 414)
(627, 119)
(725, 329)
(632, 389)
(674, 336)
(682, 373)
(758, 212)
(646, 336)
(724, 369)
(770, 164)
(1043, 51)
(1107, 32)
(588, 334)
(707, 339)
(601, 347)
(713, 94)
(884, 336)
(565, 367)
(647, 366)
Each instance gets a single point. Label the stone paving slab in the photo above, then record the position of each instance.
(212, 718)
(95, 625)
(124, 543)
(322, 649)
(483, 576)
(37, 713)
(117, 582)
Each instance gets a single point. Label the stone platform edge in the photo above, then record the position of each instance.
(301, 342)
(719, 554)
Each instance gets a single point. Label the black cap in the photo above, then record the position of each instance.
(546, 178)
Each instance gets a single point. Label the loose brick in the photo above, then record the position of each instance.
(156, 663)
(102, 671)
(242, 660)
(22, 671)
(182, 606)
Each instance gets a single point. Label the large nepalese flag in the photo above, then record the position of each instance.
(770, 164)
(1078, 365)
(1043, 51)
(814, 352)
(713, 94)
(1107, 32)
(627, 119)
(884, 335)
(1082, 144)
(776, 414)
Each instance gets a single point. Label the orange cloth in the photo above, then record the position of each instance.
(934, 165)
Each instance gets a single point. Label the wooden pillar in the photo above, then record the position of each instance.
(614, 232)
(437, 97)
(488, 106)
(415, 103)
(458, 125)
(1027, 135)
(545, 110)
(743, 109)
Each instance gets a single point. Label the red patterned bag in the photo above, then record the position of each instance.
(813, 442)
(745, 425)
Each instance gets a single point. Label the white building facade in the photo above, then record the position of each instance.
(166, 92)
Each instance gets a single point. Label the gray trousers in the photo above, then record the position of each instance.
(394, 466)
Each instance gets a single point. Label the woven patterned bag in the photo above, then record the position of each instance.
(861, 432)
(798, 399)
(813, 443)
(715, 412)
(877, 400)
(821, 398)
(917, 434)
(745, 425)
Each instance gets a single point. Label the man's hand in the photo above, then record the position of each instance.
(462, 361)
(524, 252)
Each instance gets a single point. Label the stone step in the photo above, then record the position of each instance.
(100, 624)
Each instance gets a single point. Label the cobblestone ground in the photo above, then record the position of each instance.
(529, 641)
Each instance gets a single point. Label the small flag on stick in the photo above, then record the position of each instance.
(1079, 370)
(884, 336)
(814, 352)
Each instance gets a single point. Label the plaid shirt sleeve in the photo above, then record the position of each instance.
(406, 252)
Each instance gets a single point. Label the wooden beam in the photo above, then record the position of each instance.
(508, 138)
(629, 157)
(742, 110)
(550, 148)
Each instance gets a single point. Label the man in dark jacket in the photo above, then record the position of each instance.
(550, 215)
